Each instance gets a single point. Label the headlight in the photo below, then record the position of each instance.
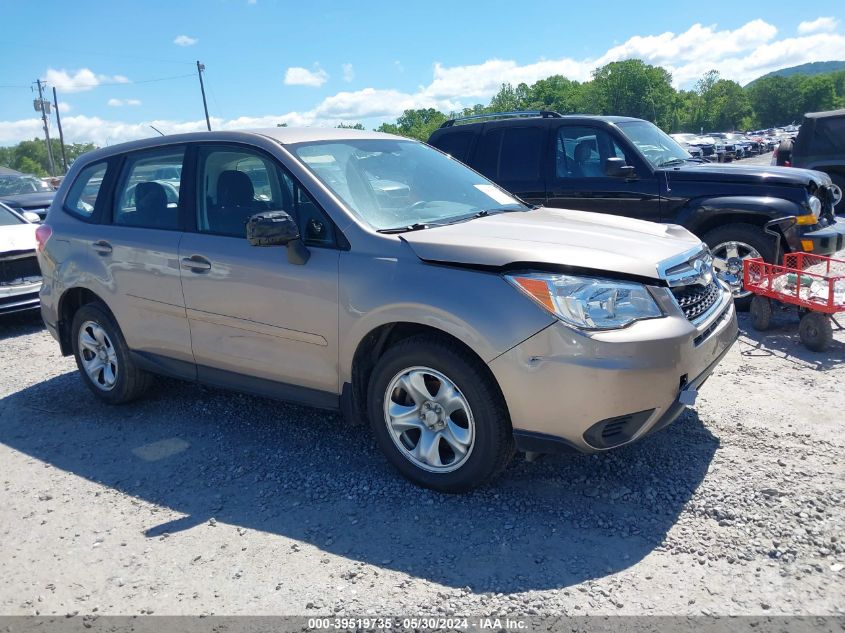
(588, 303)
(815, 206)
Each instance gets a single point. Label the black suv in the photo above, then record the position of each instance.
(630, 167)
(820, 145)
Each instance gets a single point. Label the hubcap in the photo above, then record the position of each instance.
(98, 356)
(429, 419)
(727, 263)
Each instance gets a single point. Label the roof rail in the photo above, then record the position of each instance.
(546, 114)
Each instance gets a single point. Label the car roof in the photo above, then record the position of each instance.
(825, 115)
(283, 135)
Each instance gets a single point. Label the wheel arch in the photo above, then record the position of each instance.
(704, 215)
(70, 302)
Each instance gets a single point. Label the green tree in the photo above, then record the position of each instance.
(350, 126)
(556, 93)
(816, 93)
(418, 124)
(632, 88)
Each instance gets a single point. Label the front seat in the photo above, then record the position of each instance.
(585, 166)
(150, 206)
(235, 203)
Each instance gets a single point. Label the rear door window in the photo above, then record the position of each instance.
(82, 197)
(512, 154)
(456, 145)
(148, 195)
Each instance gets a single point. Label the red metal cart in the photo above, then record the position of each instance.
(813, 283)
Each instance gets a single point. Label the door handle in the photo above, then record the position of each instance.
(102, 247)
(196, 263)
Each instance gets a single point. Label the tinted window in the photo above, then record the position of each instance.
(83, 194)
(149, 192)
(487, 153)
(580, 152)
(522, 150)
(236, 184)
(456, 145)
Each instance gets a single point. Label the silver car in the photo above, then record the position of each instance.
(374, 275)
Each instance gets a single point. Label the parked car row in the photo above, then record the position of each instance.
(26, 193)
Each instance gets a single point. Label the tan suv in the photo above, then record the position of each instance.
(372, 274)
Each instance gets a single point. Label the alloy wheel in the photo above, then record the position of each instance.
(429, 419)
(727, 263)
(97, 355)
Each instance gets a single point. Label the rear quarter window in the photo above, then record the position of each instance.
(83, 194)
(456, 145)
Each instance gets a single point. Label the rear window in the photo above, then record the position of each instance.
(149, 194)
(456, 145)
(511, 154)
(82, 197)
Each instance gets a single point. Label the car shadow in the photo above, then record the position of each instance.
(20, 323)
(307, 475)
(782, 340)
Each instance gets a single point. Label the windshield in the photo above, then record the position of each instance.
(392, 184)
(14, 185)
(7, 217)
(658, 147)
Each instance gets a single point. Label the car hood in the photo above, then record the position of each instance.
(762, 174)
(29, 200)
(17, 237)
(555, 237)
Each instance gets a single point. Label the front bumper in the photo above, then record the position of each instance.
(589, 392)
(19, 297)
(826, 240)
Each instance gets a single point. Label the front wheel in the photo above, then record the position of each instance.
(438, 415)
(815, 331)
(730, 245)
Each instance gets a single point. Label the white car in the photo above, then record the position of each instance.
(20, 276)
(688, 142)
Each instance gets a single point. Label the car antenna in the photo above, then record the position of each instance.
(157, 130)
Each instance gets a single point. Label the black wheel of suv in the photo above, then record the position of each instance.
(102, 356)
(815, 331)
(761, 313)
(438, 415)
(730, 245)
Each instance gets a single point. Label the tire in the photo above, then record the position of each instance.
(480, 421)
(815, 331)
(746, 235)
(761, 313)
(122, 381)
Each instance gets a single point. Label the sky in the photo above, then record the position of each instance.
(121, 67)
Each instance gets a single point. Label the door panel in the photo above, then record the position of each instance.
(578, 181)
(250, 310)
(255, 313)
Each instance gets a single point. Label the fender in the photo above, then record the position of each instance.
(700, 212)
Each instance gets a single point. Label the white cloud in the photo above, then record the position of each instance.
(116, 103)
(741, 54)
(348, 72)
(64, 106)
(298, 76)
(185, 40)
(252, 1)
(79, 81)
(819, 25)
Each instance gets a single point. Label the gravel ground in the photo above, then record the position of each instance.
(200, 501)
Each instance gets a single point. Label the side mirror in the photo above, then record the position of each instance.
(616, 168)
(277, 228)
(31, 216)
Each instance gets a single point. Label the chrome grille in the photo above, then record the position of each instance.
(696, 300)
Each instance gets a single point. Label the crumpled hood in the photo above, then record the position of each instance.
(558, 237)
(759, 174)
(18, 237)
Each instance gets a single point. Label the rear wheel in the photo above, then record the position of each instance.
(815, 331)
(730, 245)
(761, 313)
(103, 358)
(438, 415)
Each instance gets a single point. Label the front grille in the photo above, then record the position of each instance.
(696, 300)
(19, 268)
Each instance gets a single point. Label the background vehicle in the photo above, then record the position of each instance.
(820, 145)
(24, 192)
(691, 143)
(630, 167)
(20, 277)
(404, 289)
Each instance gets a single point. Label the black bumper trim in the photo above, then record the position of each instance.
(828, 240)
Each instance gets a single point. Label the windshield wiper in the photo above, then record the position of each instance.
(416, 226)
(479, 214)
(672, 161)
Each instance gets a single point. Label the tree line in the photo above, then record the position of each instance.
(634, 88)
(626, 88)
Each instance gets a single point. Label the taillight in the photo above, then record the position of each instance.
(42, 234)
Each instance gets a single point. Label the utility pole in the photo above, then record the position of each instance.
(200, 68)
(61, 134)
(43, 109)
